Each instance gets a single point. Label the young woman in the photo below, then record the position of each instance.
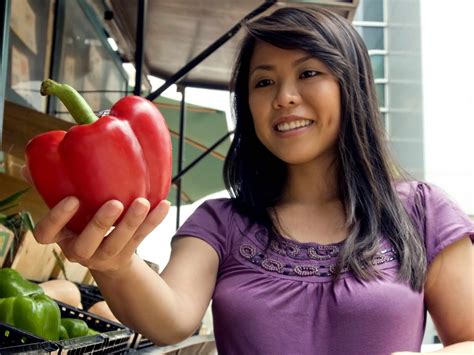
(320, 250)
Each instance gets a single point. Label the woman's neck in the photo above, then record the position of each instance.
(312, 183)
(311, 209)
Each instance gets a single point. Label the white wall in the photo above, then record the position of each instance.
(448, 94)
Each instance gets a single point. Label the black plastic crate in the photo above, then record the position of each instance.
(141, 342)
(91, 344)
(90, 295)
(16, 341)
(114, 338)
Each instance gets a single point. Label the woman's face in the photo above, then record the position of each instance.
(295, 104)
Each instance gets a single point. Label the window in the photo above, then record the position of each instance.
(378, 66)
(380, 90)
(87, 62)
(370, 10)
(373, 36)
(29, 50)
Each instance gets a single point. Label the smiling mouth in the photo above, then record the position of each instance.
(289, 126)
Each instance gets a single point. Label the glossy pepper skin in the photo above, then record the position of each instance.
(13, 284)
(74, 327)
(37, 314)
(123, 155)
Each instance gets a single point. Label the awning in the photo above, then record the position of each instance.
(176, 31)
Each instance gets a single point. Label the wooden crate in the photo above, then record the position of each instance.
(34, 261)
(75, 272)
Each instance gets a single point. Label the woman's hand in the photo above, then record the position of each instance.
(97, 247)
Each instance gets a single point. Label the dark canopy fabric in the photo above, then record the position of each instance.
(178, 30)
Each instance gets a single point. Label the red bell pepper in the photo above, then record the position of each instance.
(122, 155)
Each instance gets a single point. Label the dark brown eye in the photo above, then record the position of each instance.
(263, 83)
(308, 74)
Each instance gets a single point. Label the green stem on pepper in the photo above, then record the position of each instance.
(74, 102)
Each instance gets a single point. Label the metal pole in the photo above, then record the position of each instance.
(140, 33)
(202, 156)
(56, 52)
(5, 32)
(182, 127)
(204, 54)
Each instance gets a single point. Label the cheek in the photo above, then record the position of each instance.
(329, 101)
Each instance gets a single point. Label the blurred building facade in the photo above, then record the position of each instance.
(392, 33)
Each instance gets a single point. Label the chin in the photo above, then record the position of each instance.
(301, 159)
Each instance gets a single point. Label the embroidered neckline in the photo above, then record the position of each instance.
(299, 251)
(302, 259)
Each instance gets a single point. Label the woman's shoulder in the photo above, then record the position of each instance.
(221, 202)
(438, 217)
(428, 194)
(411, 190)
(212, 221)
(222, 206)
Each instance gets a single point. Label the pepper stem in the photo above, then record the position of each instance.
(74, 102)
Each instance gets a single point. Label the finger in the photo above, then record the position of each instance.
(66, 243)
(154, 218)
(65, 234)
(95, 231)
(48, 228)
(125, 230)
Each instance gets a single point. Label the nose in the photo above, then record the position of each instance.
(286, 95)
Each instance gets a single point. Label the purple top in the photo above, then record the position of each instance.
(282, 300)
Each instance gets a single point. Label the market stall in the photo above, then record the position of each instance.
(191, 44)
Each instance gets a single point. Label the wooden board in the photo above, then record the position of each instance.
(31, 201)
(6, 238)
(34, 261)
(74, 272)
(20, 124)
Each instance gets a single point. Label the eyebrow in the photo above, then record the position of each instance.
(270, 67)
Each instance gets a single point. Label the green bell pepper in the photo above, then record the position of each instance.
(13, 284)
(63, 333)
(92, 332)
(37, 314)
(75, 327)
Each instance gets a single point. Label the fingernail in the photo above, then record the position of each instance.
(140, 207)
(70, 204)
(113, 208)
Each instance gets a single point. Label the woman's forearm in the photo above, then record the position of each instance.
(142, 300)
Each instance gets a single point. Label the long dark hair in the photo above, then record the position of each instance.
(256, 178)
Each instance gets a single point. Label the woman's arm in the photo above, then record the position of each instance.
(449, 296)
(164, 308)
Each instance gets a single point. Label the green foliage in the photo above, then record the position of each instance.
(17, 222)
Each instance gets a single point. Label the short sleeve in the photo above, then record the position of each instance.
(210, 222)
(443, 221)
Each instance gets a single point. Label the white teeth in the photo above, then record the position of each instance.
(287, 126)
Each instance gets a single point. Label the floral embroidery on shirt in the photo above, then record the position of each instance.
(317, 257)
